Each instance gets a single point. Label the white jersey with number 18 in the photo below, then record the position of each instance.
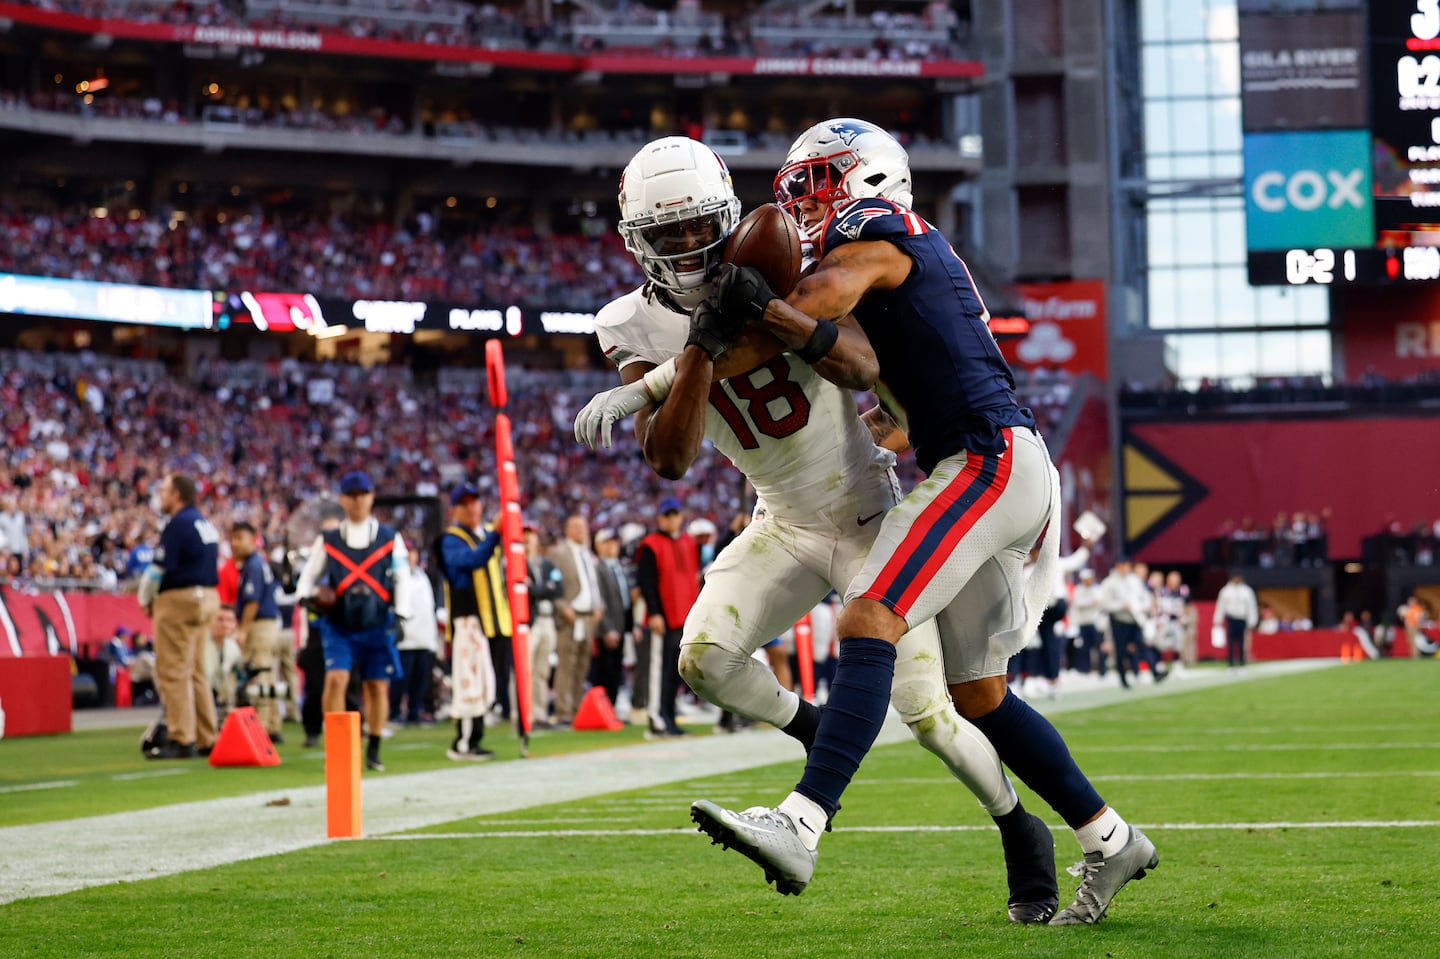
(796, 436)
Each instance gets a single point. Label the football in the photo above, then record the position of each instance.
(768, 240)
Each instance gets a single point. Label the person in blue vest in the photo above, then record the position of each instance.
(355, 577)
(177, 590)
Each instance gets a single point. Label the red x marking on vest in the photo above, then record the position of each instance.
(360, 572)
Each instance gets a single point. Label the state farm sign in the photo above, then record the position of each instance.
(1067, 328)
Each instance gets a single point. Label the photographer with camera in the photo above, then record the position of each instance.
(355, 578)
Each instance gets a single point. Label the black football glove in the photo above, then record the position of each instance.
(741, 291)
(713, 330)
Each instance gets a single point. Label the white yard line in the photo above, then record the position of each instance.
(46, 859)
(28, 787)
(151, 774)
(1248, 747)
(1178, 777)
(688, 831)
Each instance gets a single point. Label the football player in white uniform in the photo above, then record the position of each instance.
(822, 482)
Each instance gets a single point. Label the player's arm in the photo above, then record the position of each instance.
(462, 559)
(754, 346)
(827, 296)
(884, 430)
(670, 433)
(814, 322)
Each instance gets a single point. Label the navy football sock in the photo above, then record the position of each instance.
(851, 719)
(1034, 751)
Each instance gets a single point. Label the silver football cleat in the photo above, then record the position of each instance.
(1101, 879)
(766, 837)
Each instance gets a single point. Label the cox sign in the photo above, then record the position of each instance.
(1308, 190)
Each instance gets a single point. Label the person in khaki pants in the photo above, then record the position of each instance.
(178, 592)
(259, 630)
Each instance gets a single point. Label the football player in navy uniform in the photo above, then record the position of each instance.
(821, 482)
(954, 547)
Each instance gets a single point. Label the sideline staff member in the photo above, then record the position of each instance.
(178, 591)
(259, 629)
(478, 612)
(366, 565)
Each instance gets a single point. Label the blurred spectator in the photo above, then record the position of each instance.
(222, 658)
(578, 613)
(1411, 616)
(14, 538)
(419, 642)
(142, 672)
(1238, 609)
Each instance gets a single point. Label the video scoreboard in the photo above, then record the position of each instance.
(1342, 143)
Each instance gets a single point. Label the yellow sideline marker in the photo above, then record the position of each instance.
(342, 775)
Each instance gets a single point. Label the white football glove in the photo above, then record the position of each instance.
(599, 416)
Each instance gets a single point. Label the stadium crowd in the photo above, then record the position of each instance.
(882, 33)
(1292, 539)
(300, 252)
(443, 123)
(87, 440)
(155, 109)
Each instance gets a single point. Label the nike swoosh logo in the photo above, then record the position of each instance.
(1106, 837)
(865, 519)
(801, 819)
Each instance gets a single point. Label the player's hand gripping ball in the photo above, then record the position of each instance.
(740, 291)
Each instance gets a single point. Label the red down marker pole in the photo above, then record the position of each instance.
(512, 541)
(805, 656)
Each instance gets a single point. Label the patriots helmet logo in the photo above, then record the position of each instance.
(848, 130)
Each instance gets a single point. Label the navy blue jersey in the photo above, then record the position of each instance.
(189, 551)
(941, 374)
(257, 585)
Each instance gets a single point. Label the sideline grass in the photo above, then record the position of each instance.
(1351, 744)
(107, 773)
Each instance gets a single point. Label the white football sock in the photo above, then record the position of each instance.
(1108, 834)
(809, 819)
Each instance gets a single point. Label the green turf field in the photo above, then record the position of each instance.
(1295, 817)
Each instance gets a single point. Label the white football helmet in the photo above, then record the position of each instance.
(843, 159)
(677, 208)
